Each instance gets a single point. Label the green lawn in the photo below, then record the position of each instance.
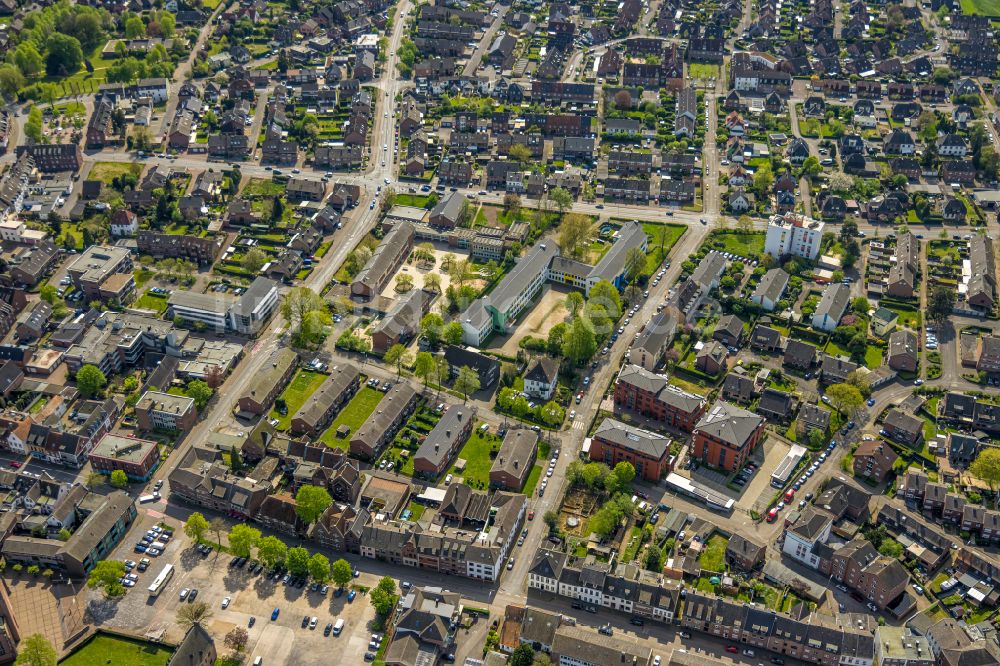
(142, 275)
(873, 357)
(108, 171)
(983, 7)
(106, 649)
(415, 200)
(416, 510)
(303, 385)
(353, 415)
(532, 480)
(671, 233)
(746, 245)
(151, 301)
(713, 556)
(396, 452)
(476, 454)
(697, 70)
(260, 187)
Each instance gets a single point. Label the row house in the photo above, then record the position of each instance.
(650, 394)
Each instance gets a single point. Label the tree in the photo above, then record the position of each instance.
(217, 526)
(606, 295)
(11, 80)
(119, 479)
(453, 333)
(744, 224)
(580, 341)
(574, 301)
(763, 179)
(574, 233)
(552, 413)
(562, 198)
(519, 153)
(200, 392)
(383, 597)
(35, 650)
(817, 438)
(237, 639)
(90, 380)
(432, 282)
(106, 575)
(134, 28)
(431, 327)
(404, 282)
(297, 561)
(242, 538)
(64, 55)
(191, 614)
(890, 548)
(845, 398)
(811, 166)
(635, 263)
(512, 204)
(195, 527)
(523, 655)
(310, 502)
(341, 572)
(654, 559)
(397, 355)
(423, 365)
(986, 467)
(551, 519)
(254, 260)
(623, 100)
(319, 568)
(27, 59)
(306, 313)
(271, 551)
(466, 382)
(624, 472)
(64, 534)
(940, 304)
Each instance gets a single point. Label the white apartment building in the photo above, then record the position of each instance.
(791, 234)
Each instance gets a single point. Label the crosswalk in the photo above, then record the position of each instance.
(578, 425)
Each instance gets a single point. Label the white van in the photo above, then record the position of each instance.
(338, 626)
(258, 661)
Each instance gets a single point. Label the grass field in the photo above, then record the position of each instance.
(698, 70)
(415, 200)
(745, 245)
(108, 171)
(983, 7)
(532, 480)
(150, 301)
(713, 557)
(476, 454)
(353, 415)
(416, 510)
(671, 233)
(260, 187)
(303, 385)
(106, 649)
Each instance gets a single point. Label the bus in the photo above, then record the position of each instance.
(161, 580)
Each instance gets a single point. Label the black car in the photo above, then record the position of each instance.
(777, 660)
(637, 621)
(252, 622)
(328, 629)
(369, 656)
(192, 594)
(301, 583)
(233, 562)
(577, 605)
(305, 621)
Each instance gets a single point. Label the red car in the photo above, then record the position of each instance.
(15, 464)
(731, 648)
(531, 515)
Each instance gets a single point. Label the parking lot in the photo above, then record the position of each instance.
(281, 641)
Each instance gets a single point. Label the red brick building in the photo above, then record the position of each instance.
(649, 394)
(874, 460)
(648, 452)
(138, 458)
(726, 435)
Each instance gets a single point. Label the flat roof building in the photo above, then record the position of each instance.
(138, 458)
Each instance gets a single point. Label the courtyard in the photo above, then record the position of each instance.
(549, 309)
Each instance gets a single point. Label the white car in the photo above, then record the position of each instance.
(184, 593)
(225, 601)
